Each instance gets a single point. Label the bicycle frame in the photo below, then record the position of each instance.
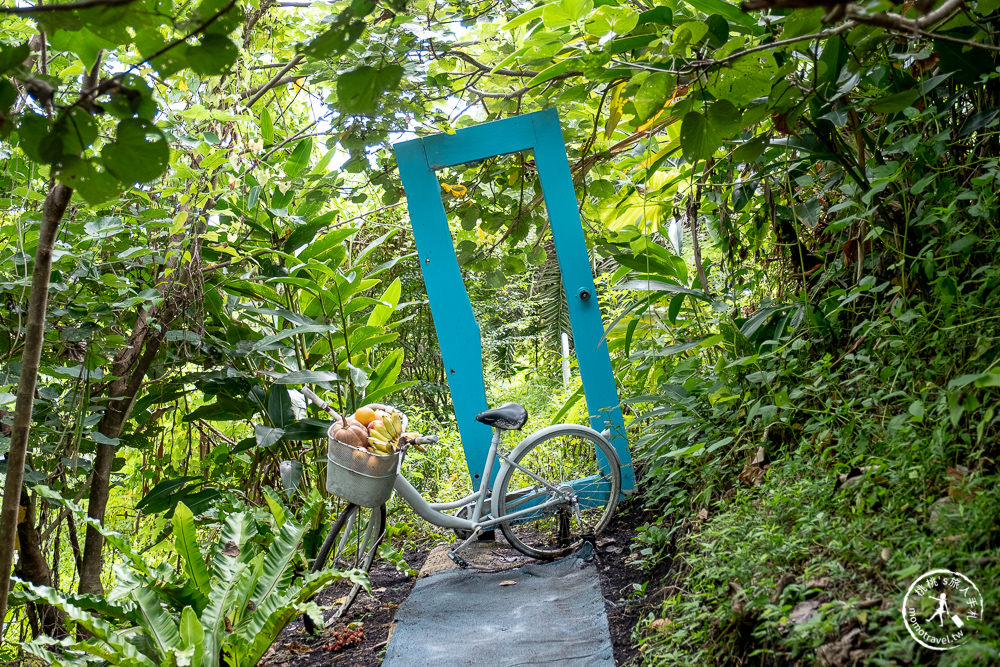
(434, 513)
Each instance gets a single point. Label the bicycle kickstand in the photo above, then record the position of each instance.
(453, 554)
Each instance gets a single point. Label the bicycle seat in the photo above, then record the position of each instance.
(507, 417)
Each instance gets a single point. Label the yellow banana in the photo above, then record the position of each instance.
(392, 424)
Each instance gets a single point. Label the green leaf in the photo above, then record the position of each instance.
(271, 342)
(157, 625)
(100, 629)
(553, 71)
(267, 435)
(186, 543)
(31, 130)
(266, 126)
(562, 13)
(724, 119)
(164, 495)
(359, 89)
(276, 568)
(687, 34)
(170, 61)
(13, 56)
(279, 406)
(730, 11)
(192, 634)
(895, 102)
(698, 140)
(524, 18)
(336, 39)
(139, 154)
(78, 130)
(390, 299)
(658, 286)
(214, 55)
(89, 179)
(652, 94)
(744, 80)
(619, 19)
(82, 42)
(299, 158)
(384, 375)
(307, 377)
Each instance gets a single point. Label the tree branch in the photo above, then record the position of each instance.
(67, 7)
(253, 92)
(259, 93)
(483, 67)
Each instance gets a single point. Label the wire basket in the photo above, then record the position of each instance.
(359, 476)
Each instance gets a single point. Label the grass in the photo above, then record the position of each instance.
(880, 465)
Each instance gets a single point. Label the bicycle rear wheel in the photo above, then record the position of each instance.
(576, 472)
(351, 544)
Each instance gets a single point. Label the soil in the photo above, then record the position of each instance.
(373, 614)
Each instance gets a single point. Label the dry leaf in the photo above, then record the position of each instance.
(507, 582)
(661, 624)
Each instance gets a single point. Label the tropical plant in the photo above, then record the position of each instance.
(226, 603)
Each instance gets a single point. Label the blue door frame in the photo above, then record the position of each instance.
(458, 332)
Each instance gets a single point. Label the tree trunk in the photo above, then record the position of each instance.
(32, 566)
(130, 367)
(52, 213)
(131, 371)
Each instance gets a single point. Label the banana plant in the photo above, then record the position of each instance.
(225, 605)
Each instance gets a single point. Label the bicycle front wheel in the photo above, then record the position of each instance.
(562, 485)
(350, 545)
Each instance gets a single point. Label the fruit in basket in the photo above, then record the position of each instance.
(365, 414)
(393, 425)
(375, 424)
(351, 432)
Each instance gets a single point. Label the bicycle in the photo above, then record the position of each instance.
(555, 490)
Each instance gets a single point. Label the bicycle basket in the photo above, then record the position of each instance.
(358, 476)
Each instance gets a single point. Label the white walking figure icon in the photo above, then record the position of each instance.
(942, 609)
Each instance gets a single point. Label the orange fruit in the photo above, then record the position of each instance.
(365, 415)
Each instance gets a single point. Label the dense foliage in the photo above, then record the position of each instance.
(792, 217)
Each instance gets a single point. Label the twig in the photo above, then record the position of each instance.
(483, 67)
(280, 82)
(274, 80)
(67, 7)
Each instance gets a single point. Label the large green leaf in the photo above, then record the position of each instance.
(272, 342)
(299, 158)
(157, 624)
(388, 302)
(215, 54)
(140, 152)
(652, 94)
(358, 90)
(745, 79)
(186, 543)
(105, 632)
(562, 13)
(698, 140)
(82, 42)
(276, 571)
(279, 406)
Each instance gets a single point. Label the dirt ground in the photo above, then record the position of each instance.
(373, 614)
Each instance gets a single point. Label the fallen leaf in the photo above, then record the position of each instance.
(508, 582)
(660, 624)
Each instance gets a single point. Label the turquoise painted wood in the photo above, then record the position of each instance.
(458, 333)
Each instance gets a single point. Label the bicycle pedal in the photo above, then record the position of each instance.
(458, 560)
